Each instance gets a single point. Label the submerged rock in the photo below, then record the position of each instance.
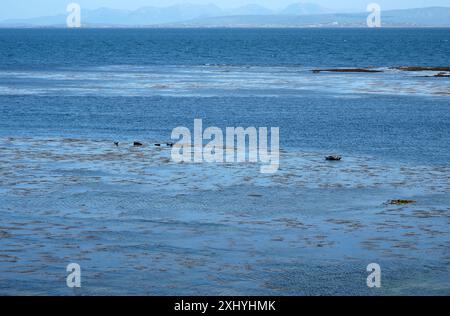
(442, 75)
(438, 75)
(401, 202)
(333, 158)
(4, 234)
(419, 68)
(316, 71)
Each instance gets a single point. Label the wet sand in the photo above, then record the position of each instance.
(138, 223)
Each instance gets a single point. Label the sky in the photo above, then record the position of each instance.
(20, 9)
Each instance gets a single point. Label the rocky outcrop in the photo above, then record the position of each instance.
(347, 70)
(442, 75)
(401, 202)
(420, 68)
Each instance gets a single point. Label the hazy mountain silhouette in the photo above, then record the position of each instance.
(423, 17)
(161, 15)
(188, 15)
(304, 9)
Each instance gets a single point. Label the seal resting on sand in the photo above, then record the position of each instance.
(333, 158)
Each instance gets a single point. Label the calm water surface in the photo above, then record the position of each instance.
(138, 223)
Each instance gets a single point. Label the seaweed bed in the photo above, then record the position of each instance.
(130, 216)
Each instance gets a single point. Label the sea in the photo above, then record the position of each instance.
(138, 223)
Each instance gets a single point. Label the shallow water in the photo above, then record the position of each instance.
(131, 214)
(139, 223)
(211, 81)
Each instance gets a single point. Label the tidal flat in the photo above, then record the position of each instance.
(75, 189)
(138, 223)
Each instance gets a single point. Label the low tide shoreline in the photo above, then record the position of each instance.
(130, 216)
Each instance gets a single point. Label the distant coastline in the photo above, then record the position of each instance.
(153, 27)
(107, 18)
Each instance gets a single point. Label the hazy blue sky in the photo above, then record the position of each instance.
(12, 9)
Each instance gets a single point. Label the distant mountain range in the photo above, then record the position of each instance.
(148, 16)
(189, 15)
(423, 17)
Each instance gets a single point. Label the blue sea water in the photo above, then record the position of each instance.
(132, 217)
(124, 83)
(44, 49)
